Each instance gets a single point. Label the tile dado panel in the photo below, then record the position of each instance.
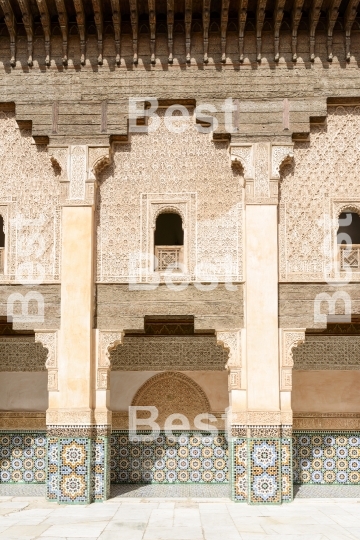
(183, 458)
(326, 457)
(22, 457)
(261, 470)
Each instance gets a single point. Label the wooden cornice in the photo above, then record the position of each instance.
(278, 17)
(80, 21)
(296, 17)
(99, 23)
(314, 19)
(242, 22)
(24, 14)
(260, 17)
(116, 17)
(134, 17)
(10, 22)
(332, 16)
(27, 20)
(188, 20)
(63, 21)
(170, 29)
(152, 24)
(46, 24)
(206, 24)
(224, 24)
(349, 19)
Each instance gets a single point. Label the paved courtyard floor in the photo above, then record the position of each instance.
(180, 518)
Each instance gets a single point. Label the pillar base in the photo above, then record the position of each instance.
(261, 464)
(78, 467)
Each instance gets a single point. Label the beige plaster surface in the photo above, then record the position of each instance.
(75, 335)
(326, 391)
(23, 391)
(125, 384)
(262, 308)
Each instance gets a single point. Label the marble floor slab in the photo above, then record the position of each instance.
(179, 518)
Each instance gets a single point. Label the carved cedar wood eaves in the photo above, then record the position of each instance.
(60, 12)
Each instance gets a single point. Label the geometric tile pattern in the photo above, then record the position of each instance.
(190, 457)
(100, 477)
(261, 470)
(239, 469)
(264, 471)
(324, 457)
(74, 470)
(286, 470)
(22, 457)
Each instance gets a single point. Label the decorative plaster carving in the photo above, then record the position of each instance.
(291, 339)
(165, 169)
(72, 417)
(235, 379)
(49, 342)
(107, 342)
(77, 172)
(328, 352)
(263, 418)
(243, 154)
(22, 420)
(180, 353)
(327, 421)
(231, 342)
(280, 155)
(21, 354)
(323, 170)
(172, 393)
(30, 190)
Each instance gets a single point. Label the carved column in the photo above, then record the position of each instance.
(261, 431)
(78, 470)
(231, 340)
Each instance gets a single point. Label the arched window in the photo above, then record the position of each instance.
(168, 241)
(348, 239)
(2, 244)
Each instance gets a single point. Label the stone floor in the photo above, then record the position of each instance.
(193, 518)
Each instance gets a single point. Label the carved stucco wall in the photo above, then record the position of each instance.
(186, 171)
(29, 190)
(125, 384)
(328, 352)
(164, 353)
(171, 393)
(322, 179)
(22, 354)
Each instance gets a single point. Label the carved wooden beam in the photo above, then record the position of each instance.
(349, 19)
(260, 16)
(63, 21)
(296, 16)
(134, 17)
(206, 24)
(98, 17)
(224, 24)
(27, 19)
(242, 22)
(80, 21)
(115, 6)
(278, 17)
(188, 20)
(170, 27)
(11, 26)
(332, 16)
(152, 23)
(314, 19)
(46, 24)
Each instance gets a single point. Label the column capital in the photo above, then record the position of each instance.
(261, 162)
(78, 165)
